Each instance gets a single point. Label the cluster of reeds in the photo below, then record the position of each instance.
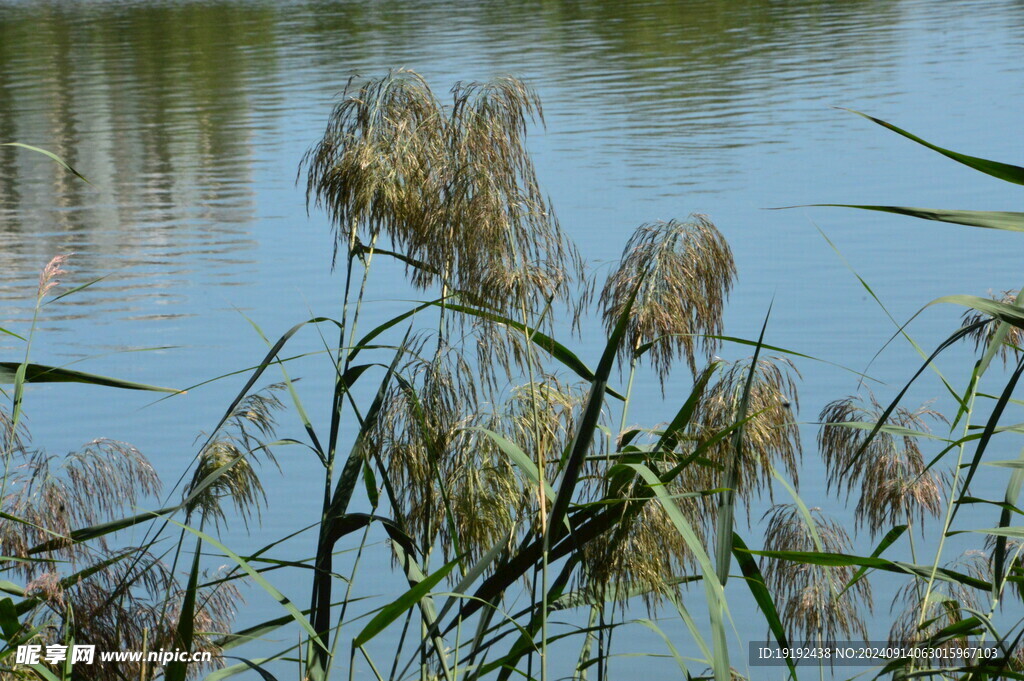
(503, 469)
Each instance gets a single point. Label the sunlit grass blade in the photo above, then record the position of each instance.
(40, 373)
(11, 333)
(794, 353)
(518, 457)
(718, 607)
(49, 154)
(846, 560)
(986, 436)
(759, 590)
(95, 531)
(987, 219)
(400, 605)
(1002, 171)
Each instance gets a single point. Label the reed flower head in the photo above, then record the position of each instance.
(812, 600)
(49, 277)
(1014, 340)
(54, 495)
(116, 599)
(770, 436)
(949, 602)
(225, 466)
(643, 554)
(453, 187)
(453, 488)
(685, 271)
(894, 482)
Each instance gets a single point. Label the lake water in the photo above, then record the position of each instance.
(190, 118)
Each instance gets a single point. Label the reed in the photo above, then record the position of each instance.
(503, 469)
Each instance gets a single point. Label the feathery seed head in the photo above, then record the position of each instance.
(452, 187)
(686, 271)
(895, 483)
(1014, 339)
(48, 278)
(770, 436)
(811, 597)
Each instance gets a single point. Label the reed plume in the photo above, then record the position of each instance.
(225, 467)
(889, 471)
(813, 602)
(453, 188)
(685, 271)
(982, 336)
(770, 437)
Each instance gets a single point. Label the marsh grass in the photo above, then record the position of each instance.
(467, 435)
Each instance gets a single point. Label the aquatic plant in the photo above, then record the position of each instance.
(888, 469)
(816, 605)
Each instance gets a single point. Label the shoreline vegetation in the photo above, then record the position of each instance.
(505, 469)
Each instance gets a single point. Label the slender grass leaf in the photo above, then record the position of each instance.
(888, 540)
(846, 560)
(680, 662)
(1011, 314)
(727, 501)
(954, 338)
(518, 457)
(254, 666)
(793, 353)
(94, 531)
(268, 359)
(763, 597)
(9, 619)
(1016, 532)
(1013, 488)
(49, 154)
(986, 436)
(898, 431)
(1002, 171)
(901, 327)
(271, 590)
(350, 473)
(40, 373)
(76, 289)
(670, 437)
(242, 667)
(402, 545)
(364, 342)
(715, 594)
(583, 436)
(399, 606)
(987, 219)
(176, 670)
